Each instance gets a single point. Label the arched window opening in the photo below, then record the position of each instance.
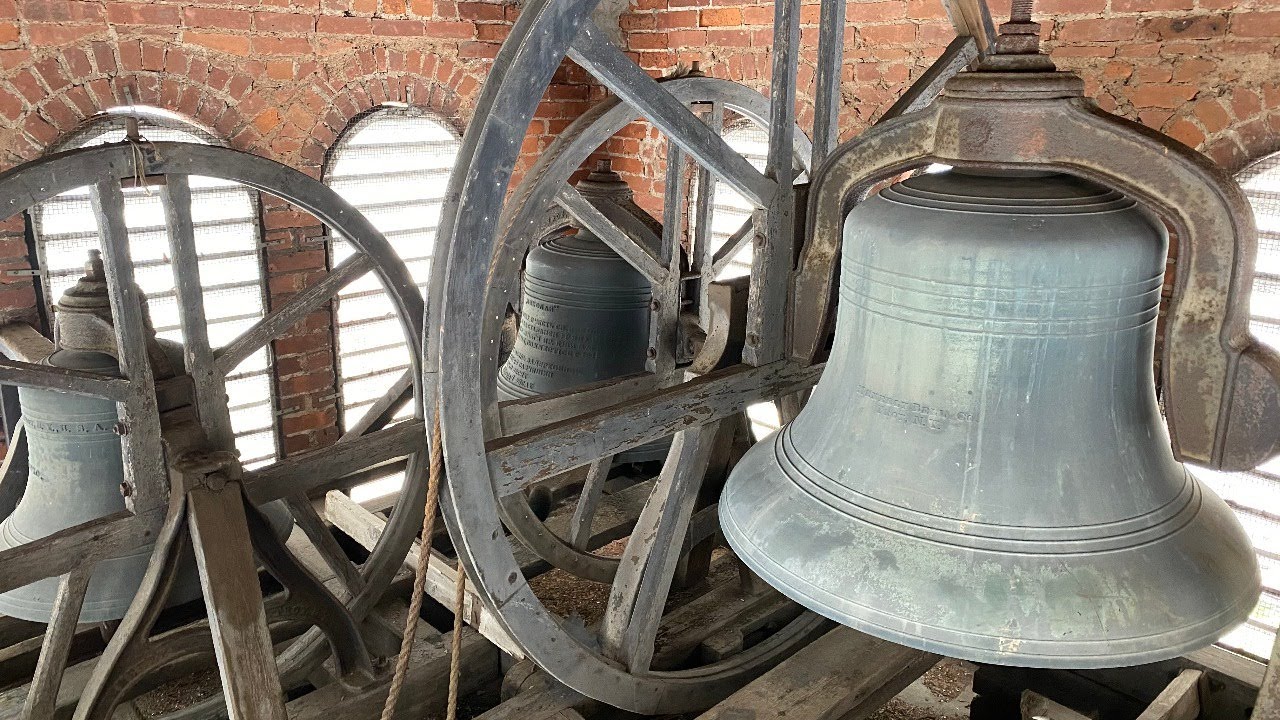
(393, 165)
(228, 242)
(1255, 495)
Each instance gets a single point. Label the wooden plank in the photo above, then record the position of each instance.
(1180, 700)
(844, 674)
(1220, 660)
(519, 416)
(425, 689)
(594, 52)
(1038, 707)
(1268, 707)
(237, 619)
(772, 610)
(75, 382)
(521, 460)
(43, 696)
(441, 579)
(554, 703)
(19, 341)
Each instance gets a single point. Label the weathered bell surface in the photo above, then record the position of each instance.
(76, 469)
(584, 318)
(983, 471)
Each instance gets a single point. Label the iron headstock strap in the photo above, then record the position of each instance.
(1017, 111)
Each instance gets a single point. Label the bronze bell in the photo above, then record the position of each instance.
(584, 315)
(983, 470)
(75, 469)
(584, 318)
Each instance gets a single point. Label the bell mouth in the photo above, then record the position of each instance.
(1084, 609)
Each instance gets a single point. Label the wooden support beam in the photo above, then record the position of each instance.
(1180, 700)
(1268, 707)
(365, 528)
(425, 690)
(844, 675)
(1038, 707)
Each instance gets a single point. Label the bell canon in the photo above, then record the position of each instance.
(983, 470)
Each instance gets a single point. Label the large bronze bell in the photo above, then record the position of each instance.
(983, 470)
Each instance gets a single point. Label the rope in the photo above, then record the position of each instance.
(455, 649)
(420, 580)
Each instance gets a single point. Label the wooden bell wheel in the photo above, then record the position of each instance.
(181, 468)
(493, 451)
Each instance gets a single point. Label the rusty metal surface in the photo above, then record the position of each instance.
(1221, 392)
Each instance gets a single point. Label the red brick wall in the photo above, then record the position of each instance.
(282, 78)
(279, 78)
(1205, 71)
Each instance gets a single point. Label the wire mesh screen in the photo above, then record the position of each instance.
(225, 219)
(393, 166)
(1255, 495)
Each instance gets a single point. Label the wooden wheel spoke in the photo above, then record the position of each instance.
(61, 552)
(593, 51)
(960, 53)
(585, 510)
(210, 390)
(644, 577)
(732, 246)
(664, 318)
(298, 307)
(140, 447)
(972, 18)
(622, 241)
(42, 698)
(827, 101)
(517, 461)
(310, 472)
(304, 513)
(703, 211)
(383, 411)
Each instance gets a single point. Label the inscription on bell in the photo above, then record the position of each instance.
(584, 318)
(913, 413)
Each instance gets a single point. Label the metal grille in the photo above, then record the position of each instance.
(393, 166)
(1255, 495)
(225, 216)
